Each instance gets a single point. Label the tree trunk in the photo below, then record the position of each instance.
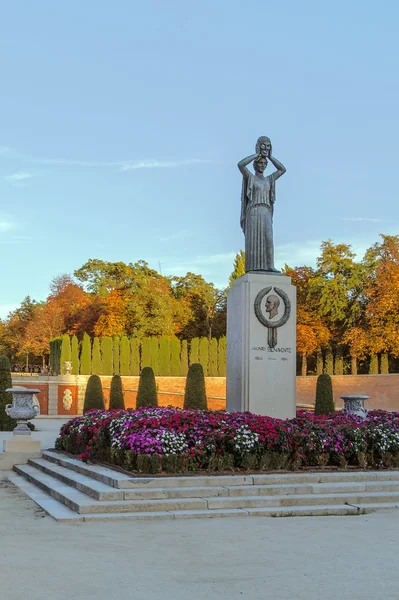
(339, 362)
(353, 365)
(384, 363)
(304, 367)
(319, 362)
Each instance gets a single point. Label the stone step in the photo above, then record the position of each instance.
(101, 491)
(123, 481)
(59, 512)
(246, 502)
(81, 503)
(89, 486)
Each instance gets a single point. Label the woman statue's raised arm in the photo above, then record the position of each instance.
(242, 165)
(280, 167)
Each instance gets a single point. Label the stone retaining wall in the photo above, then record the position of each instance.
(382, 389)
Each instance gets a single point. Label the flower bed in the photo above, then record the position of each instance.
(155, 440)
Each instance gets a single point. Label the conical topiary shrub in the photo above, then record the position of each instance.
(6, 422)
(147, 393)
(324, 404)
(116, 398)
(94, 398)
(195, 394)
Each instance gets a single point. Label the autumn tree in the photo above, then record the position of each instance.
(238, 267)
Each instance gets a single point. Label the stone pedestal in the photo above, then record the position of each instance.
(261, 345)
(22, 443)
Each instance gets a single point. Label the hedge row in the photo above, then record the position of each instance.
(167, 356)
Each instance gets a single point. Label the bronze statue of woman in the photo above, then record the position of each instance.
(257, 204)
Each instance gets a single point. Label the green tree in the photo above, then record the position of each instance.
(75, 355)
(155, 355)
(147, 392)
(184, 359)
(194, 351)
(94, 398)
(134, 357)
(107, 356)
(238, 268)
(164, 356)
(125, 356)
(116, 354)
(324, 404)
(65, 351)
(6, 423)
(204, 354)
(146, 352)
(85, 357)
(222, 359)
(195, 393)
(175, 348)
(96, 366)
(206, 304)
(116, 398)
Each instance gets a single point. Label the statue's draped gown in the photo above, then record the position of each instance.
(257, 202)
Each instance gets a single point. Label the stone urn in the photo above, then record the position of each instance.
(22, 408)
(354, 405)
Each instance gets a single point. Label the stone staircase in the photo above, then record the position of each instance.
(70, 490)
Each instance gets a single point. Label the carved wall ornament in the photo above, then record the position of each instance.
(270, 304)
(67, 399)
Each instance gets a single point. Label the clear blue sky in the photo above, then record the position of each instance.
(121, 124)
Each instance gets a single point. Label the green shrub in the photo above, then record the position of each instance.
(116, 398)
(194, 351)
(96, 366)
(125, 356)
(154, 344)
(222, 357)
(213, 370)
(146, 353)
(134, 356)
(66, 353)
(204, 354)
(106, 356)
(116, 354)
(195, 394)
(147, 392)
(94, 397)
(175, 348)
(329, 366)
(324, 404)
(75, 355)
(85, 357)
(6, 422)
(184, 359)
(164, 356)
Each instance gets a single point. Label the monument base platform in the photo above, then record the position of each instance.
(261, 345)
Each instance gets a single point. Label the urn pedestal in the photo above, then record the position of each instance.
(22, 410)
(261, 345)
